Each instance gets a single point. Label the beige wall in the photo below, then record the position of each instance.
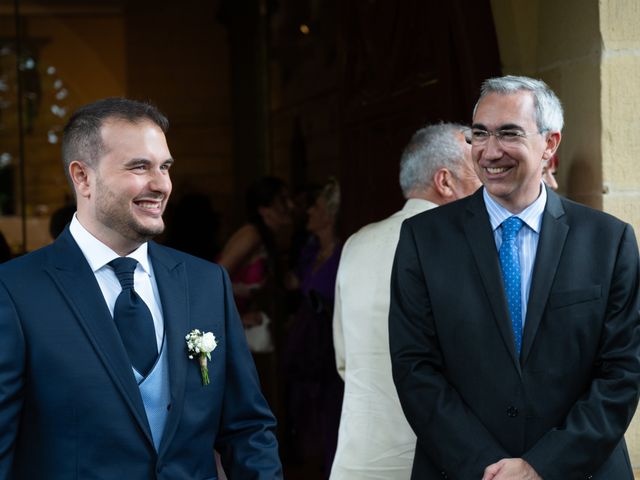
(588, 51)
(620, 101)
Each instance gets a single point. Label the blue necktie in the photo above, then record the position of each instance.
(133, 319)
(510, 265)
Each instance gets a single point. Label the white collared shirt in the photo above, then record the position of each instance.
(527, 238)
(99, 255)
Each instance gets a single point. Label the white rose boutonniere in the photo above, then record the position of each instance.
(200, 345)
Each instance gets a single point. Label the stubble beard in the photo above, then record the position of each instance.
(114, 213)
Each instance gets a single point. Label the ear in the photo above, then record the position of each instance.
(443, 183)
(553, 141)
(81, 177)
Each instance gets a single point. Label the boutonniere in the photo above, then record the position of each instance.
(200, 345)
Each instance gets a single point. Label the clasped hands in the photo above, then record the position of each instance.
(510, 469)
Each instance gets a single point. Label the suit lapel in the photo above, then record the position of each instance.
(171, 279)
(71, 272)
(483, 246)
(553, 234)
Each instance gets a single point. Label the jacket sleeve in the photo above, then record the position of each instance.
(12, 365)
(448, 431)
(598, 420)
(246, 442)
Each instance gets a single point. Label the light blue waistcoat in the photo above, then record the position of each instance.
(156, 394)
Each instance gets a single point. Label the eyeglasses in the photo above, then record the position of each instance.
(504, 137)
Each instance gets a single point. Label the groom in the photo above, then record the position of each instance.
(96, 380)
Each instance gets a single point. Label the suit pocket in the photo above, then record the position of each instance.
(572, 297)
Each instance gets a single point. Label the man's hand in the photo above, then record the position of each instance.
(510, 469)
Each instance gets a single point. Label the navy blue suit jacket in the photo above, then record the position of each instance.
(565, 402)
(69, 404)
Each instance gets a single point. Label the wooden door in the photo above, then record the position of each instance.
(402, 65)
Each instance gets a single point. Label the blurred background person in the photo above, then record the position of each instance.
(252, 256)
(375, 440)
(303, 198)
(314, 389)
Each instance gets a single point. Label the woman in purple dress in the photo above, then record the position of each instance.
(314, 388)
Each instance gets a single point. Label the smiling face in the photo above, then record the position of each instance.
(511, 174)
(121, 200)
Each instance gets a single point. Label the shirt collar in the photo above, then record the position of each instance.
(531, 216)
(98, 254)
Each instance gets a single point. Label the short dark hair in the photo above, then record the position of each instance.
(82, 139)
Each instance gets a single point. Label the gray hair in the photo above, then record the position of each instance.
(82, 139)
(549, 115)
(430, 148)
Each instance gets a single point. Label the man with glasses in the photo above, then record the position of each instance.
(516, 349)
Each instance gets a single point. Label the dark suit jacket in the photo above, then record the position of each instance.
(566, 402)
(69, 404)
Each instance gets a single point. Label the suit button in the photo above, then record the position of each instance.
(512, 411)
(588, 476)
(444, 475)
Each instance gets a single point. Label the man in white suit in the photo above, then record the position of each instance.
(375, 441)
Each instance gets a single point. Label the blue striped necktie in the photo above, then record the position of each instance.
(510, 265)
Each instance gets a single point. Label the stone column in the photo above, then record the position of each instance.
(620, 107)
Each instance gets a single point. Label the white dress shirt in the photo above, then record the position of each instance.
(527, 237)
(99, 255)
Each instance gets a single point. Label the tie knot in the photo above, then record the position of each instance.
(510, 228)
(123, 268)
